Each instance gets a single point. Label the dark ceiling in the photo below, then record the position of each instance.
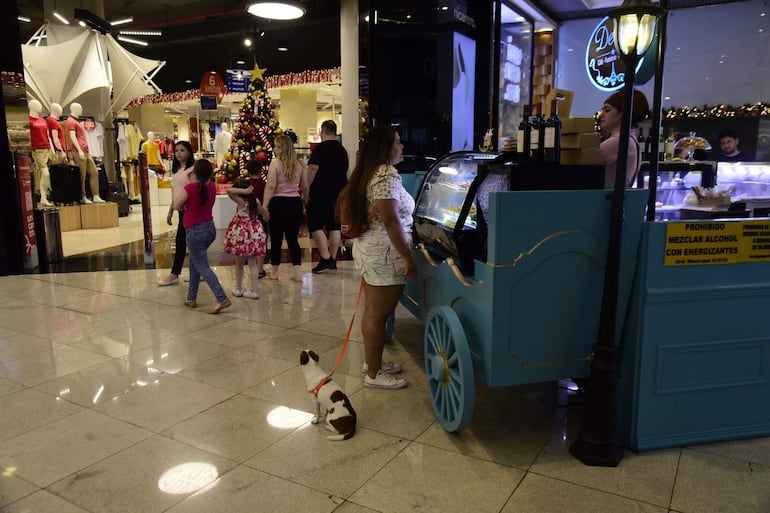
(198, 35)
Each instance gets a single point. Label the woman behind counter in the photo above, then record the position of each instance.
(610, 118)
(377, 197)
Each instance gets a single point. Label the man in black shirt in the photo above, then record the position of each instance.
(327, 174)
(728, 143)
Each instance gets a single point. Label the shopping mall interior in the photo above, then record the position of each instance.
(117, 398)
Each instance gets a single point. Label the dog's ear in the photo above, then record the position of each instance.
(303, 358)
(313, 355)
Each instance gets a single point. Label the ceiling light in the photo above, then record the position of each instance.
(132, 40)
(240, 62)
(277, 9)
(141, 32)
(247, 42)
(60, 18)
(122, 21)
(23, 18)
(82, 23)
(283, 46)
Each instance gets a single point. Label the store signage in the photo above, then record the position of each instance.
(715, 242)
(23, 168)
(605, 69)
(238, 80)
(208, 102)
(212, 85)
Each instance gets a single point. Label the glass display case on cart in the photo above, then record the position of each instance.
(675, 180)
(453, 202)
(749, 183)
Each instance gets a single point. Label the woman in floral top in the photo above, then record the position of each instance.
(377, 197)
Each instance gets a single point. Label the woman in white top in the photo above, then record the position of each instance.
(376, 197)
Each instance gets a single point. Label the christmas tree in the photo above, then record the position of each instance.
(253, 134)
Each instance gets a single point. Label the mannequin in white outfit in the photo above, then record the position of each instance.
(78, 146)
(41, 150)
(222, 143)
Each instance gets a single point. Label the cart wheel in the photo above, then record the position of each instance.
(389, 325)
(449, 369)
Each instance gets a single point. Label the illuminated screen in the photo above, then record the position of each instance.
(463, 74)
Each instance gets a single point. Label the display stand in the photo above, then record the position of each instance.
(164, 191)
(69, 218)
(154, 199)
(695, 358)
(99, 215)
(224, 210)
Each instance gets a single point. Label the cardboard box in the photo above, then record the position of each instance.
(99, 215)
(69, 218)
(577, 125)
(714, 201)
(584, 141)
(570, 156)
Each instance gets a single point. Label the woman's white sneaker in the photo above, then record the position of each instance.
(388, 367)
(384, 380)
(251, 294)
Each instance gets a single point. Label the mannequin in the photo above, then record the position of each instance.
(41, 151)
(222, 143)
(56, 134)
(154, 159)
(78, 146)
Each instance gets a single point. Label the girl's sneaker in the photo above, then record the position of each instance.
(251, 294)
(238, 292)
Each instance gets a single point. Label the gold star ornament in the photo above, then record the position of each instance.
(257, 72)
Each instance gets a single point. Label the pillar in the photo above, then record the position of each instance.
(349, 59)
(298, 111)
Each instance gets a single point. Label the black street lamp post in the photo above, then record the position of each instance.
(597, 444)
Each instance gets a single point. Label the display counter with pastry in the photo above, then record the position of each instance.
(453, 201)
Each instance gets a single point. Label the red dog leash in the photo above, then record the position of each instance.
(328, 378)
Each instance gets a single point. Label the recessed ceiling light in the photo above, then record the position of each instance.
(283, 46)
(24, 19)
(277, 9)
(122, 21)
(61, 18)
(141, 32)
(132, 40)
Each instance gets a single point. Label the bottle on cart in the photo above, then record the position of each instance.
(650, 155)
(661, 146)
(535, 141)
(523, 136)
(552, 137)
(669, 145)
(640, 144)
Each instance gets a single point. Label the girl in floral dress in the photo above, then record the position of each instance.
(245, 237)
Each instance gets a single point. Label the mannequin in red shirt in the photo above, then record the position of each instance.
(78, 146)
(41, 151)
(56, 134)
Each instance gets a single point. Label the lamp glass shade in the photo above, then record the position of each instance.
(634, 33)
(277, 10)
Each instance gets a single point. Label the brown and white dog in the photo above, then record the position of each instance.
(339, 413)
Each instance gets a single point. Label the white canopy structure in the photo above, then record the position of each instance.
(65, 64)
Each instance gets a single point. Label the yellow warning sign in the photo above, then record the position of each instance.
(717, 242)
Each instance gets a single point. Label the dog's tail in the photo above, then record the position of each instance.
(342, 436)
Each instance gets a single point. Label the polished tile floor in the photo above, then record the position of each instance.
(115, 398)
